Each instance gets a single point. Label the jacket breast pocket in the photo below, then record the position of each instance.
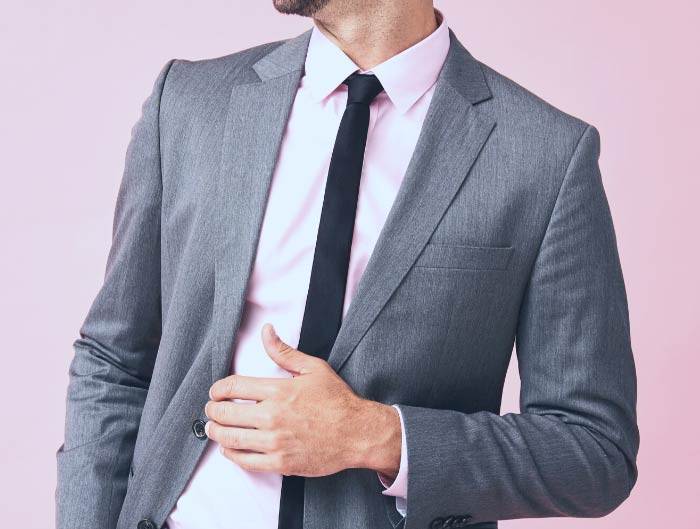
(436, 255)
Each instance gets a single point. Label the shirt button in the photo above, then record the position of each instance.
(146, 524)
(199, 433)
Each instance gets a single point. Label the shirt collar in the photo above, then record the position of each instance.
(405, 77)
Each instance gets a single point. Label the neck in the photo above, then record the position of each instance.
(372, 32)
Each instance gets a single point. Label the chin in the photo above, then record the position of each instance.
(304, 8)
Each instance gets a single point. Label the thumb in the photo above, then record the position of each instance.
(284, 355)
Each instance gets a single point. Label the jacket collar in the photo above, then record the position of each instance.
(459, 68)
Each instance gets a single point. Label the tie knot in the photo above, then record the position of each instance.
(362, 88)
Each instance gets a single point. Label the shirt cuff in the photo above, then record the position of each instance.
(399, 487)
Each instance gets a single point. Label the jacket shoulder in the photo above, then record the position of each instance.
(524, 111)
(190, 79)
(217, 66)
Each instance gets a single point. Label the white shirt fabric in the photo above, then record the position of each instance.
(220, 494)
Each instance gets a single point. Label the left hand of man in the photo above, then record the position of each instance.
(312, 424)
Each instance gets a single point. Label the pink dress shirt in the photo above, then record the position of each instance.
(220, 494)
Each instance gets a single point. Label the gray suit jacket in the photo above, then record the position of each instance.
(500, 234)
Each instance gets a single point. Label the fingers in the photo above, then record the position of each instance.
(286, 356)
(242, 438)
(255, 462)
(227, 413)
(248, 388)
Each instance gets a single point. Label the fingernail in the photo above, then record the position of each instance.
(206, 428)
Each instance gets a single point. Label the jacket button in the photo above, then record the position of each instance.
(199, 433)
(463, 520)
(146, 524)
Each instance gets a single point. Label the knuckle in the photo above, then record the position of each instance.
(259, 466)
(285, 348)
(225, 412)
(231, 383)
(249, 464)
(232, 439)
(268, 419)
(275, 418)
(276, 441)
(214, 411)
(280, 463)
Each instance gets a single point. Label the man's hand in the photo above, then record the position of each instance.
(312, 424)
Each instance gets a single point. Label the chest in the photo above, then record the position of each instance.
(290, 224)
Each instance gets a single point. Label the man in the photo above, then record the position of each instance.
(324, 250)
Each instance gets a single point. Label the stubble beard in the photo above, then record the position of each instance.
(305, 8)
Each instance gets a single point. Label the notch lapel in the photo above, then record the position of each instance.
(256, 118)
(449, 143)
(451, 138)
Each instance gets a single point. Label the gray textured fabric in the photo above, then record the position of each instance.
(500, 233)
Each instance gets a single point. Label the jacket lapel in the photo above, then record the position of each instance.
(452, 136)
(256, 117)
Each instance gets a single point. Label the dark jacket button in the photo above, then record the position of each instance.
(199, 433)
(436, 523)
(146, 524)
(463, 519)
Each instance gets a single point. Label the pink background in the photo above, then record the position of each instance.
(74, 74)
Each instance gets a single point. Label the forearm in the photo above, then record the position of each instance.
(103, 409)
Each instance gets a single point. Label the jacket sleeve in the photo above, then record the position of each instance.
(110, 371)
(572, 449)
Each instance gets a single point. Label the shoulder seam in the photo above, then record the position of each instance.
(556, 199)
(168, 67)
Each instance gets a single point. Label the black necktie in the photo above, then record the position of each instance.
(324, 300)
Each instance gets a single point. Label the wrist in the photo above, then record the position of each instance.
(377, 445)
